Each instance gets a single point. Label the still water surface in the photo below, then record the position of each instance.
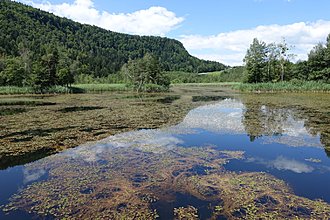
(155, 172)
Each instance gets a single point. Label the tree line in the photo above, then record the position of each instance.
(272, 63)
(39, 48)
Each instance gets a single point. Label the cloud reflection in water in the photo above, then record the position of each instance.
(223, 117)
(283, 163)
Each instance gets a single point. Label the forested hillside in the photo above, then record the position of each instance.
(34, 42)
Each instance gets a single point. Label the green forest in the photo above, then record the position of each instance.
(40, 49)
(271, 63)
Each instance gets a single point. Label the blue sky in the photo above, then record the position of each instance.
(218, 30)
(214, 16)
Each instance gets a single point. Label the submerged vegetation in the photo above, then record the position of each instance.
(128, 182)
(139, 174)
(56, 122)
(260, 196)
(125, 175)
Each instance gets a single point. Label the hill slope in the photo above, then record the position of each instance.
(29, 31)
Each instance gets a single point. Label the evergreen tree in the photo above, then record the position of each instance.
(255, 60)
(317, 62)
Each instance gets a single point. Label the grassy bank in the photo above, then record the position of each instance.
(292, 86)
(77, 88)
(208, 84)
(10, 90)
(100, 87)
(94, 88)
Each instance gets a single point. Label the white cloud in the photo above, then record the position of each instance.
(282, 163)
(152, 21)
(230, 47)
(32, 175)
(224, 116)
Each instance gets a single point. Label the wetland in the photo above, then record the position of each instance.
(197, 152)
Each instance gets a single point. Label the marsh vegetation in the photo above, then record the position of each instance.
(198, 152)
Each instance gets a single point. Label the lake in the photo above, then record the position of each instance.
(242, 156)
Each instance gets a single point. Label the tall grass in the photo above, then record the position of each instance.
(77, 88)
(291, 86)
(208, 84)
(8, 90)
(101, 87)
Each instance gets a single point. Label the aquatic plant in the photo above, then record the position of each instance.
(255, 196)
(183, 213)
(125, 175)
(119, 183)
(52, 124)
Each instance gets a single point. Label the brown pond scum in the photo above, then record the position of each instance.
(51, 123)
(124, 182)
(180, 167)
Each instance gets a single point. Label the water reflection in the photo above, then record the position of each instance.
(33, 175)
(233, 117)
(280, 125)
(304, 118)
(283, 163)
(155, 141)
(130, 174)
(224, 117)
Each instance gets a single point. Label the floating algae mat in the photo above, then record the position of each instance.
(226, 160)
